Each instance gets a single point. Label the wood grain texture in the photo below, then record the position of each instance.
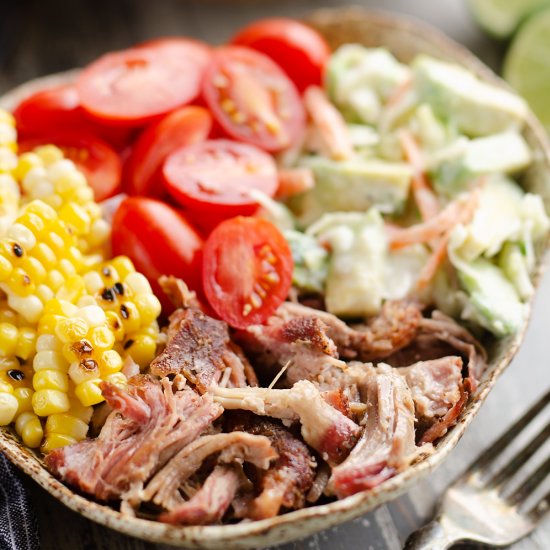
(40, 37)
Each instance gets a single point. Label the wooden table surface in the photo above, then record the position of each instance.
(38, 37)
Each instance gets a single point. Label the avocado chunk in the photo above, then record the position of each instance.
(353, 185)
(477, 108)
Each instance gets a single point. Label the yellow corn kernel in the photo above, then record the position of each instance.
(55, 279)
(18, 377)
(123, 266)
(42, 210)
(7, 315)
(100, 231)
(44, 254)
(30, 308)
(49, 401)
(101, 338)
(83, 371)
(6, 268)
(93, 315)
(67, 267)
(72, 289)
(71, 330)
(24, 399)
(19, 282)
(7, 118)
(8, 363)
(26, 343)
(48, 323)
(76, 218)
(50, 379)
(34, 269)
(138, 284)
(78, 410)
(149, 308)
(26, 162)
(8, 408)
(109, 362)
(67, 424)
(93, 282)
(61, 307)
(49, 359)
(22, 235)
(8, 339)
(129, 315)
(115, 324)
(44, 293)
(117, 379)
(5, 386)
(89, 392)
(49, 154)
(55, 441)
(8, 159)
(48, 342)
(29, 428)
(141, 348)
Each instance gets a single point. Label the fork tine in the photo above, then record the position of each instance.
(541, 508)
(494, 450)
(521, 458)
(530, 484)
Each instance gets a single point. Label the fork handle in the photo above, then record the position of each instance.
(432, 536)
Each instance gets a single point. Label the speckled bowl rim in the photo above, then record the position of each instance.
(334, 24)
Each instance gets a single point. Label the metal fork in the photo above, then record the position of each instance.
(479, 507)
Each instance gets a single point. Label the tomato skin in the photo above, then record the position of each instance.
(197, 51)
(212, 178)
(247, 270)
(137, 86)
(252, 99)
(59, 109)
(160, 241)
(300, 50)
(96, 159)
(142, 172)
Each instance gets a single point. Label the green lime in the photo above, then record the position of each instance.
(527, 64)
(502, 17)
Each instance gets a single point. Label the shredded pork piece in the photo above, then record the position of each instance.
(163, 489)
(178, 292)
(150, 423)
(290, 476)
(324, 428)
(387, 444)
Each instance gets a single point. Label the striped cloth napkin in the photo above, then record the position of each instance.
(18, 527)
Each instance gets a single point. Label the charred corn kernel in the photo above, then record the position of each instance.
(50, 379)
(149, 308)
(29, 307)
(49, 154)
(29, 428)
(83, 371)
(78, 410)
(109, 362)
(71, 329)
(48, 323)
(24, 399)
(101, 337)
(89, 392)
(8, 408)
(109, 274)
(26, 162)
(129, 315)
(115, 324)
(55, 441)
(65, 423)
(141, 348)
(8, 339)
(78, 351)
(26, 343)
(49, 401)
(76, 218)
(49, 359)
(117, 379)
(18, 377)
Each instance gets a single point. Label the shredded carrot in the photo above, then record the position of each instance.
(329, 123)
(399, 93)
(293, 181)
(425, 198)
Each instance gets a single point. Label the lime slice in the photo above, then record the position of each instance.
(527, 64)
(501, 17)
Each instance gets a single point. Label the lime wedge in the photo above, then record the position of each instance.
(527, 64)
(501, 17)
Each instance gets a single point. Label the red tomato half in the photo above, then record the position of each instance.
(252, 99)
(133, 87)
(160, 241)
(247, 270)
(215, 177)
(58, 109)
(93, 157)
(195, 50)
(300, 50)
(177, 129)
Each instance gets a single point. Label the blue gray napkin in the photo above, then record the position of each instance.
(18, 526)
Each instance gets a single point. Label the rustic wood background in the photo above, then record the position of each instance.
(38, 37)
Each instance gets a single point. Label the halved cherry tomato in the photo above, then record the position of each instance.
(160, 241)
(247, 270)
(100, 163)
(195, 50)
(252, 99)
(177, 129)
(134, 87)
(299, 50)
(215, 177)
(58, 109)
